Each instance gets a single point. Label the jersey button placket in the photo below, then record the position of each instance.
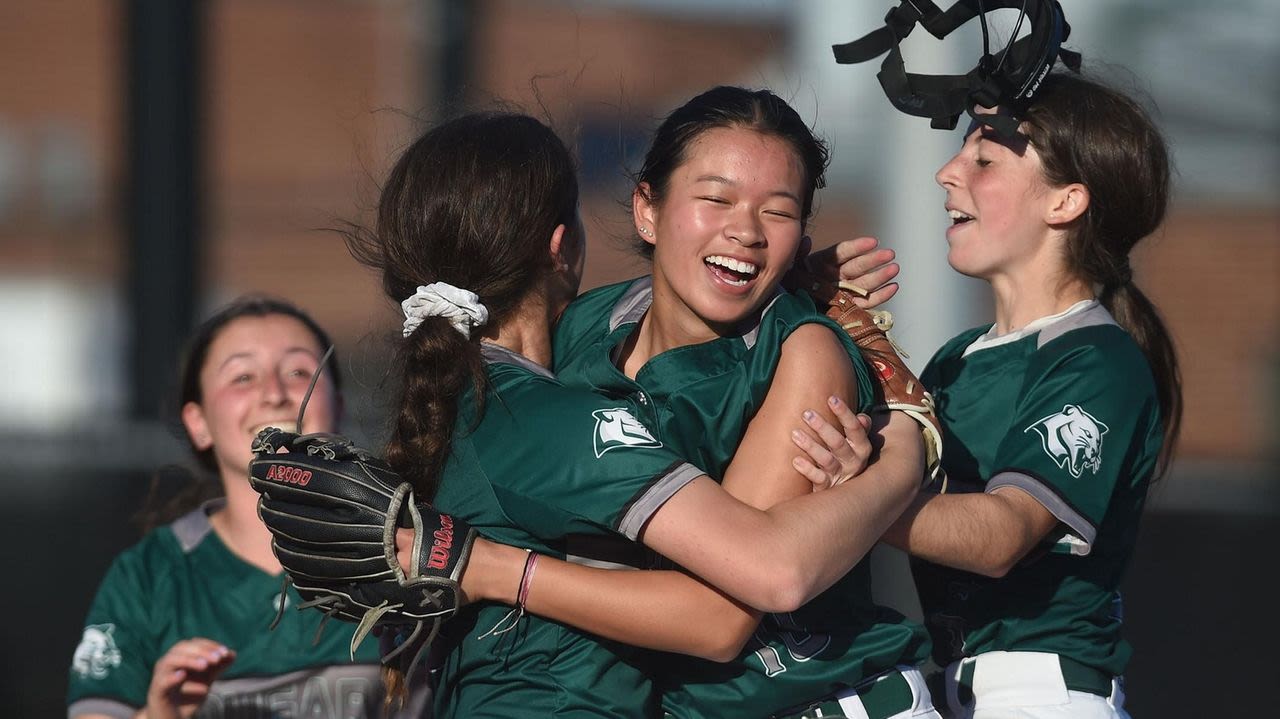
(646, 408)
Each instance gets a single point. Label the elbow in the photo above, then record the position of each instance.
(728, 637)
(999, 562)
(728, 644)
(784, 587)
(722, 656)
(906, 487)
(1011, 549)
(993, 570)
(787, 600)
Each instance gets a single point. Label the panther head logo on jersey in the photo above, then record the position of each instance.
(617, 428)
(1073, 438)
(97, 652)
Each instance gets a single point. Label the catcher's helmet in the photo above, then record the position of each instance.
(1007, 78)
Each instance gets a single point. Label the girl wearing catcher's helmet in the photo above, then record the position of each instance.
(1058, 416)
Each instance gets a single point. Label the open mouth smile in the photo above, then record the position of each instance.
(735, 273)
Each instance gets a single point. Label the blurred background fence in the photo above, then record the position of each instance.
(158, 157)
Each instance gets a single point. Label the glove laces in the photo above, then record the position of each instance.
(884, 320)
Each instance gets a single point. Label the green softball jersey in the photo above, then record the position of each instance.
(1066, 411)
(567, 473)
(698, 400)
(181, 582)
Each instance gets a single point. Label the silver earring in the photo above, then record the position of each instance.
(646, 231)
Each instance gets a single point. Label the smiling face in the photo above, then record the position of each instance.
(1000, 206)
(727, 228)
(255, 375)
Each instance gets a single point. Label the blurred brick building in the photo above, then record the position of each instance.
(307, 101)
(304, 103)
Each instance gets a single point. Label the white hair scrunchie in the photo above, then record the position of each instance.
(440, 299)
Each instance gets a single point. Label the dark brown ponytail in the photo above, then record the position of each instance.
(438, 364)
(1086, 132)
(472, 203)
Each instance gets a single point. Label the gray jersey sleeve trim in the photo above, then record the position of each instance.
(605, 552)
(654, 497)
(596, 563)
(105, 707)
(1092, 317)
(633, 303)
(1065, 513)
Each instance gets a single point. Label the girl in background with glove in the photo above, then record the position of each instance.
(179, 625)
(478, 228)
(1058, 416)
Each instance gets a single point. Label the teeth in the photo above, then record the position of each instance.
(958, 215)
(729, 263)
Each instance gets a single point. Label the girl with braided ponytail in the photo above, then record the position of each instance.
(1058, 416)
(453, 226)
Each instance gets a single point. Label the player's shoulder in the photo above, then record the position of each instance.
(814, 345)
(792, 309)
(1093, 326)
(524, 391)
(173, 538)
(792, 304)
(508, 369)
(597, 304)
(1090, 338)
(173, 543)
(596, 313)
(152, 556)
(814, 358)
(531, 396)
(611, 291)
(785, 315)
(1092, 350)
